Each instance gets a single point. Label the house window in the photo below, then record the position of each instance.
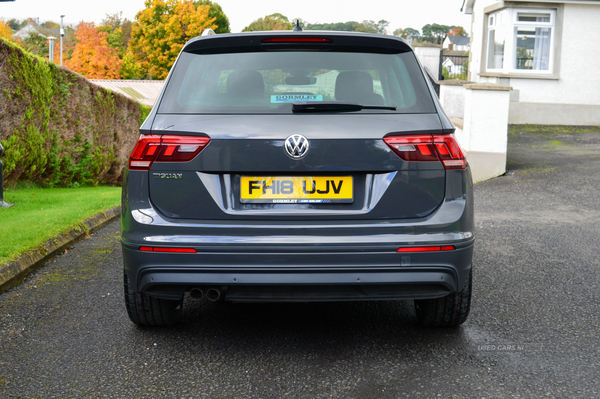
(520, 40)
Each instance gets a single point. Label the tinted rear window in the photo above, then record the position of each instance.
(268, 82)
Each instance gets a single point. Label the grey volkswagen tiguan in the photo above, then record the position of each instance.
(297, 166)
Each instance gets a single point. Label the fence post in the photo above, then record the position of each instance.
(3, 204)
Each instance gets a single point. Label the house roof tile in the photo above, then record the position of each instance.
(459, 40)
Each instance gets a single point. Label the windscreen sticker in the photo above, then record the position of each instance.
(288, 98)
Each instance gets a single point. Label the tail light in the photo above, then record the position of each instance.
(427, 148)
(165, 148)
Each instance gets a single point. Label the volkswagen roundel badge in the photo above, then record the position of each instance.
(296, 146)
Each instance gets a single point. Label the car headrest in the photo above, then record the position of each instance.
(245, 83)
(353, 86)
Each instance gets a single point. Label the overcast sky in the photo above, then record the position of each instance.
(400, 14)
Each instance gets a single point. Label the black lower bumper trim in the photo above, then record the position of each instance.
(334, 293)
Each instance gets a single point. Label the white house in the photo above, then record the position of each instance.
(547, 51)
(454, 66)
(458, 43)
(28, 30)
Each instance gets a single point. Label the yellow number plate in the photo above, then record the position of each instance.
(296, 189)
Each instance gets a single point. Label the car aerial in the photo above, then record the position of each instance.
(297, 166)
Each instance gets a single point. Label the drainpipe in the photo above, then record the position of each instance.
(51, 48)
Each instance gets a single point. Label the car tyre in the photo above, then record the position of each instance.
(145, 310)
(449, 311)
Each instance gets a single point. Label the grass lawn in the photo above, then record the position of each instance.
(43, 213)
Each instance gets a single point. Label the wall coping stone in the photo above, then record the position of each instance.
(458, 122)
(487, 86)
(433, 45)
(455, 82)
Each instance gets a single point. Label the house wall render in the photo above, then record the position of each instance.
(571, 96)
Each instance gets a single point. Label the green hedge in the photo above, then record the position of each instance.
(62, 130)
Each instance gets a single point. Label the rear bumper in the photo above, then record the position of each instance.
(356, 272)
(306, 260)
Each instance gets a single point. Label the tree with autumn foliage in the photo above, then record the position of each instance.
(5, 30)
(458, 31)
(92, 56)
(160, 31)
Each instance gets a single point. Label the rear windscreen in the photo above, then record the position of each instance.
(269, 82)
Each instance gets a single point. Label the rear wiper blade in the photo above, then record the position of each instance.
(334, 106)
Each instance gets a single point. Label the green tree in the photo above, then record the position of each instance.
(114, 38)
(400, 33)
(435, 33)
(445, 73)
(412, 34)
(50, 25)
(216, 12)
(366, 26)
(302, 22)
(36, 44)
(15, 24)
(351, 26)
(465, 70)
(118, 28)
(382, 26)
(337, 26)
(131, 69)
(270, 22)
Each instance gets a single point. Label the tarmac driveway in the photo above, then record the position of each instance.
(533, 331)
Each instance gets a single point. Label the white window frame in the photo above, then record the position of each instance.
(507, 19)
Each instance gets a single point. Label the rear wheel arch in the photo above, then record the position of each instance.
(449, 311)
(145, 310)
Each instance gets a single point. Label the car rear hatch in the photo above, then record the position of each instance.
(228, 142)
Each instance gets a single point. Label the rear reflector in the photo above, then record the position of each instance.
(165, 148)
(427, 249)
(297, 40)
(162, 249)
(427, 148)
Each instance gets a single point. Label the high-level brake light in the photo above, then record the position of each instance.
(427, 148)
(297, 40)
(165, 148)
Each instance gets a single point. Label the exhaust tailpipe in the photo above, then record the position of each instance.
(196, 293)
(213, 294)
